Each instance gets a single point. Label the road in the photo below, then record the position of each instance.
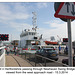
(62, 57)
(56, 63)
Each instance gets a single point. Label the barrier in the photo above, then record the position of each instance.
(45, 58)
(29, 55)
(2, 56)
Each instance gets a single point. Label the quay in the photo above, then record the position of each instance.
(12, 60)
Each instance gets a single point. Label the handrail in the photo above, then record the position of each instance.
(1, 50)
(45, 58)
(2, 47)
(51, 60)
(2, 56)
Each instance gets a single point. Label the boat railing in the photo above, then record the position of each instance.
(2, 56)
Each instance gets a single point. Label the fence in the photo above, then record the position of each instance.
(2, 56)
(32, 58)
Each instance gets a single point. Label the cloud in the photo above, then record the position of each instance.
(41, 5)
(16, 28)
(57, 27)
(19, 26)
(11, 14)
(17, 12)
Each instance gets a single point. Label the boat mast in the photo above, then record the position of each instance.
(34, 21)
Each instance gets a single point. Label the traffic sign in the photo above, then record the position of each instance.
(4, 37)
(56, 6)
(65, 39)
(66, 10)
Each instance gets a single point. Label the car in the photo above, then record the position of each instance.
(65, 61)
(49, 53)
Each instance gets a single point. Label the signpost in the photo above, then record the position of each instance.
(66, 10)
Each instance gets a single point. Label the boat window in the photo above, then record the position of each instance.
(32, 33)
(29, 33)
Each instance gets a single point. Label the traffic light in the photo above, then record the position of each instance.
(65, 39)
(4, 37)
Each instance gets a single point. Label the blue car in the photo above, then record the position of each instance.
(49, 53)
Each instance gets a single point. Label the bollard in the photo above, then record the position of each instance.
(21, 54)
(29, 57)
(45, 62)
(25, 55)
(35, 59)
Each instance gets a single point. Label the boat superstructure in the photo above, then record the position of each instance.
(28, 38)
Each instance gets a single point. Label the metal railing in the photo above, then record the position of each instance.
(1, 51)
(45, 61)
(2, 56)
(32, 58)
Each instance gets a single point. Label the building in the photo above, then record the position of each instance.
(15, 42)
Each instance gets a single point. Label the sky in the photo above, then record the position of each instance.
(17, 16)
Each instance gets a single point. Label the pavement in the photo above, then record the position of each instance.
(12, 60)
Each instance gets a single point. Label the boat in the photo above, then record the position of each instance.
(28, 38)
(50, 42)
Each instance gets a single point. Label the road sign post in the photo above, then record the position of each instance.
(69, 43)
(66, 10)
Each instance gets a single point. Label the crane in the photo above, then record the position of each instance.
(59, 38)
